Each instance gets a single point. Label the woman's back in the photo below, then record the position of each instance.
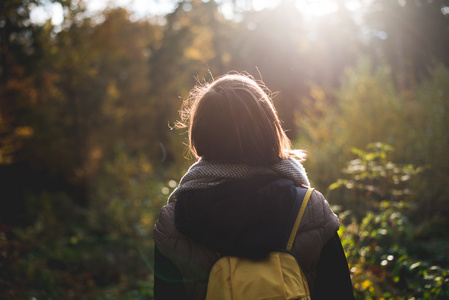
(241, 196)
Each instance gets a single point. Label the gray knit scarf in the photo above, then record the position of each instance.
(204, 174)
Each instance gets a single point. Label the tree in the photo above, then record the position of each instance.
(22, 88)
(194, 47)
(409, 48)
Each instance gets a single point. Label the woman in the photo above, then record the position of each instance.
(241, 197)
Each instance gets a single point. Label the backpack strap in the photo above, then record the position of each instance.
(299, 218)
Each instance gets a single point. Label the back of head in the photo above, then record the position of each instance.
(233, 119)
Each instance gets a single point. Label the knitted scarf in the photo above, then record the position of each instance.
(204, 174)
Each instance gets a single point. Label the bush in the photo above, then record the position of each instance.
(376, 235)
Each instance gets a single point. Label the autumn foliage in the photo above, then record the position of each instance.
(88, 154)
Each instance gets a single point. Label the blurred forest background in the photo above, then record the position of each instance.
(87, 154)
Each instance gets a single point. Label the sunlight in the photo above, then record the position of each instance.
(312, 8)
(142, 8)
(41, 14)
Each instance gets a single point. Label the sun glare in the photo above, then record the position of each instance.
(313, 8)
(141, 8)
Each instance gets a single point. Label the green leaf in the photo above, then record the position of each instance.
(415, 265)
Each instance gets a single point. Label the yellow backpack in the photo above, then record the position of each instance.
(276, 277)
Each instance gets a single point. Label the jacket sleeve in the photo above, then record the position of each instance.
(333, 279)
(191, 260)
(168, 281)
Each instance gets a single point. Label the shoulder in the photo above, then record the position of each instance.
(180, 249)
(166, 218)
(165, 224)
(318, 225)
(192, 260)
(164, 230)
(319, 220)
(165, 233)
(319, 214)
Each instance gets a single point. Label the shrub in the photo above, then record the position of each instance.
(376, 234)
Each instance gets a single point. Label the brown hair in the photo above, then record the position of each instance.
(233, 119)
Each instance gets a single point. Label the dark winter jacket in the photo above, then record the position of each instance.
(246, 218)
